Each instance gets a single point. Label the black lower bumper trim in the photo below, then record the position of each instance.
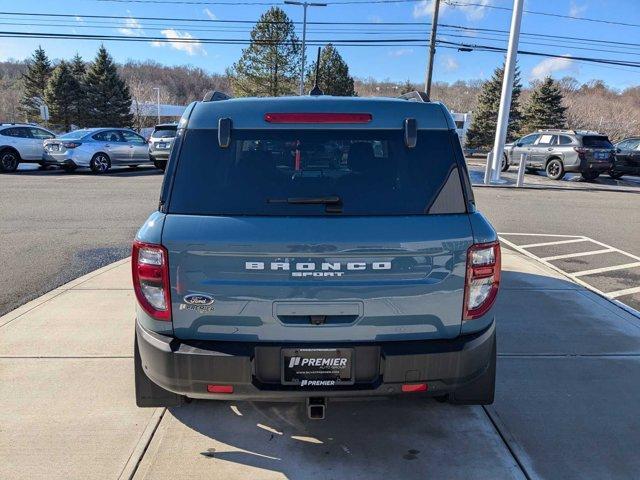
(253, 369)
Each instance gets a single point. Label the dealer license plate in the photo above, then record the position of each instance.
(317, 367)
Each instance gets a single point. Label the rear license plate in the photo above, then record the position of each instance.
(602, 156)
(317, 367)
(162, 145)
(53, 148)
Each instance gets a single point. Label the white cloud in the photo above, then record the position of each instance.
(184, 41)
(132, 27)
(401, 52)
(450, 63)
(576, 10)
(550, 65)
(210, 14)
(473, 12)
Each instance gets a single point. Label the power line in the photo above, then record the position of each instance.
(533, 12)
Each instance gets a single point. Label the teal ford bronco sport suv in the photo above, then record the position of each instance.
(314, 247)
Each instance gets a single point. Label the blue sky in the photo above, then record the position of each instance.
(393, 62)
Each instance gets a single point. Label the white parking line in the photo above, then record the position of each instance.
(606, 269)
(558, 242)
(580, 254)
(576, 276)
(620, 293)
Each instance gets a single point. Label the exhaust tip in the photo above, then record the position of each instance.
(316, 407)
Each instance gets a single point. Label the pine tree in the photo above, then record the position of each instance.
(270, 64)
(545, 108)
(108, 102)
(60, 96)
(482, 131)
(79, 70)
(34, 82)
(333, 75)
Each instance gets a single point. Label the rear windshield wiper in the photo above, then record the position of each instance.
(333, 202)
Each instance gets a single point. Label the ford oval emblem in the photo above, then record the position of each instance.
(198, 299)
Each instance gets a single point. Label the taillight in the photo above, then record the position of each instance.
(318, 117)
(71, 144)
(483, 279)
(150, 264)
(581, 151)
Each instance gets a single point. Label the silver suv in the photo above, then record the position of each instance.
(561, 151)
(21, 143)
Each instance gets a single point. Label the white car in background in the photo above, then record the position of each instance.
(97, 148)
(21, 143)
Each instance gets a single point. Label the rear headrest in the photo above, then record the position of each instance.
(360, 156)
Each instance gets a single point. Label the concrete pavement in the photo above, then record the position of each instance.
(566, 404)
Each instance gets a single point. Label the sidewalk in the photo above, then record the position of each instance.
(566, 403)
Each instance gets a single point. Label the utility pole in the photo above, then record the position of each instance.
(432, 48)
(157, 89)
(507, 89)
(304, 5)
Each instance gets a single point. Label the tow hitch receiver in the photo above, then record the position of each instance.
(316, 407)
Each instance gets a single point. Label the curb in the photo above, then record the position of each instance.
(570, 189)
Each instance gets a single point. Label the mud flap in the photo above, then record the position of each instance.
(148, 394)
(481, 391)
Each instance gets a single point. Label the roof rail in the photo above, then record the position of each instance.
(415, 96)
(214, 96)
(557, 130)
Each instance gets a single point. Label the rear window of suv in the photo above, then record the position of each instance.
(294, 172)
(164, 132)
(593, 141)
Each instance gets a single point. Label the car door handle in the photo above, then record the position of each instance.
(107, 145)
(130, 146)
(549, 148)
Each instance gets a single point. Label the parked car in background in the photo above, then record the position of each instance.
(627, 160)
(21, 143)
(160, 143)
(96, 148)
(561, 151)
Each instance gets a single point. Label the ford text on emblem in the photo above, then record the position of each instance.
(198, 299)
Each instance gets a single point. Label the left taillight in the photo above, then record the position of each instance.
(482, 280)
(150, 265)
(71, 144)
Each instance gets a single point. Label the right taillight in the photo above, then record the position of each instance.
(482, 280)
(150, 265)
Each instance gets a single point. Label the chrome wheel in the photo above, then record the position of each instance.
(9, 162)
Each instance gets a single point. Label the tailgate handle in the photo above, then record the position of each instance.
(324, 309)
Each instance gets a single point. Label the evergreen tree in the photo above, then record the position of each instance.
(269, 66)
(333, 75)
(108, 102)
(34, 82)
(79, 70)
(60, 96)
(481, 133)
(545, 108)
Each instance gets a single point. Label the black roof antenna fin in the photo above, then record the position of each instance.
(315, 91)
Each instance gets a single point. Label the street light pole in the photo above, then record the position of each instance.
(157, 89)
(432, 48)
(304, 5)
(507, 89)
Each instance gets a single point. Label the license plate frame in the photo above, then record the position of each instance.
(162, 145)
(323, 367)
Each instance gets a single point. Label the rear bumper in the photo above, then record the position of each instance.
(380, 369)
(162, 155)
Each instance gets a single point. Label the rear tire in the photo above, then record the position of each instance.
(161, 165)
(69, 168)
(100, 163)
(615, 175)
(482, 390)
(555, 169)
(590, 175)
(9, 160)
(148, 394)
(504, 165)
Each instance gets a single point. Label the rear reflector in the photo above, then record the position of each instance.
(317, 117)
(414, 387)
(220, 388)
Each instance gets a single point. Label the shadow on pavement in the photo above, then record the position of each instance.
(145, 170)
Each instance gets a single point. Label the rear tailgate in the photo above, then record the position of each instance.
(388, 278)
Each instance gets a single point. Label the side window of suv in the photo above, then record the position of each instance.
(564, 140)
(528, 140)
(40, 134)
(546, 139)
(21, 132)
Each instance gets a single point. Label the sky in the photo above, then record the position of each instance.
(397, 62)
